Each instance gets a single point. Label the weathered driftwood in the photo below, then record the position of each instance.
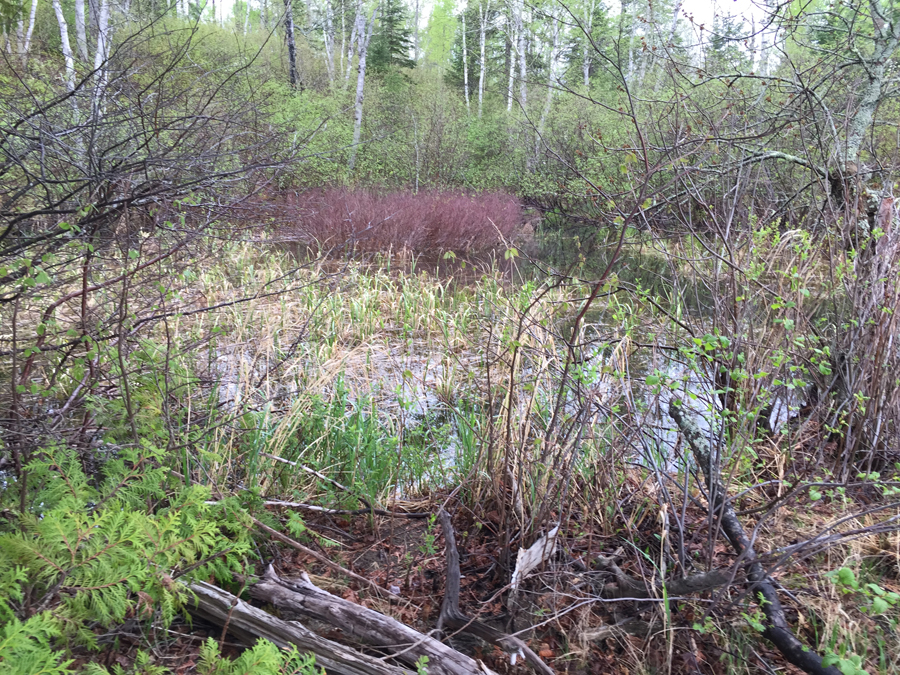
(301, 596)
(452, 618)
(777, 628)
(249, 623)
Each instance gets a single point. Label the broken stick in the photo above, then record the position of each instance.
(777, 628)
(453, 618)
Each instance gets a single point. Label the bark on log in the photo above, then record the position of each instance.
(628, 587)
(777, 629)
(453, 618)
(303, 597)
(249, 623)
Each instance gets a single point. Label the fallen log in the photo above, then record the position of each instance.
(453, 618)
(628, 587)
(249, 623)
(777, 629)
(301, 596)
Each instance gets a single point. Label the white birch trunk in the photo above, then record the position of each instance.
(354, 37)
(81, 31)
(30, 31)
(512, 61)
(343, 37)
(523, 86)
(66, 46)
(93, 10)
(101, 56)
(588, 28)
(246, 16)
(361, 83)
(329, 40)
(20, 37)
(482, 12)
(416, 33)
(465, 56)
(102, 52)
(549, 101)
(650, 39)
(675, 12)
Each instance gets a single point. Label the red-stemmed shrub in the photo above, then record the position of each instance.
(428, 222)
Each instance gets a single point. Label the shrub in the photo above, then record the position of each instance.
(367, 221)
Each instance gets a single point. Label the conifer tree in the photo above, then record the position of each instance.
(392, 45)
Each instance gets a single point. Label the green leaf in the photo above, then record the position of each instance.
(652, 380)
(42, 277)
(846, 577)
(132, 254)
(879, 606)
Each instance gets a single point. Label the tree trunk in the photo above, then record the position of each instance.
(416, 32)
(81, 31)
(361, 623)
(30, 31)
(101, 56)
(102, 52)
(631, 37)
(868, 104)
(249, 623)
(329, 39)
(66, 46)
(523, 86)
(547, 103)
(291, 47)
(511, 61)
(588, 28)
(93, 22)
(354, 37)
(361, 83)
(465, 56)
(482, 12)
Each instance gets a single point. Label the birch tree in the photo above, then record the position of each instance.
(521, 47)
(66, 45)
(23, 36)
(362, 29)
(81, 31)
(483, 9)
(511, 47)
(354, 38)
(329, 39)
(551, 87)
(587, 48)
(465, 57)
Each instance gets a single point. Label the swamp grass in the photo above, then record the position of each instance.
(392, 381)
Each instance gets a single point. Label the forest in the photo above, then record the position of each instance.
(469, 336)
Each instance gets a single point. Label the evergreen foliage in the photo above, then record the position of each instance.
(392, 45)
(98, 555)
(263, 659)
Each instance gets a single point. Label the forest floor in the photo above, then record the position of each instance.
(563, 617)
